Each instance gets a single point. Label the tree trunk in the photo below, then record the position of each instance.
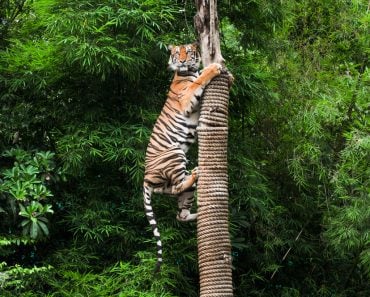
(214, 248)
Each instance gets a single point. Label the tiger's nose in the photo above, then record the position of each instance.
(182, 57)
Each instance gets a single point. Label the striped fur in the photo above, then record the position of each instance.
(173, 133)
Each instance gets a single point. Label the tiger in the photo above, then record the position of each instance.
(173, 133)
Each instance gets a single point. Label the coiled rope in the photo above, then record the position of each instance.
(214, 247)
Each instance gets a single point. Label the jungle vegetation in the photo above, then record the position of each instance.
(81, 84)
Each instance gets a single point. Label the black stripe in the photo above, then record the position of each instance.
(171, 128)
(161, 139)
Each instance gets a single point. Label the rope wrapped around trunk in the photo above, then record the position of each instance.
(214, 247)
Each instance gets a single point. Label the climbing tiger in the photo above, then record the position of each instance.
(173, 133)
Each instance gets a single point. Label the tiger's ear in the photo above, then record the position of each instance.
(196, 44)
(170, 47)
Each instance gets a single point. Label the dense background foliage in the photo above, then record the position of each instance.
(81, 83)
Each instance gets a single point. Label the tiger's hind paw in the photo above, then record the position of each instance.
(195, 173)
(159, 190)
(163, 190)
(186, 218)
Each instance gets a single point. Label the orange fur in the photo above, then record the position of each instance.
(173, 133)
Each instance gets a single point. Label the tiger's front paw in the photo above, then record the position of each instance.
(216, 67)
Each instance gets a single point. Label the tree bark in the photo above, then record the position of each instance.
(214, 247)
(206, 23)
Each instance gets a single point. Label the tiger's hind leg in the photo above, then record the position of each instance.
(185, 201)
(186, 182)
(183, 187)
(186, 197)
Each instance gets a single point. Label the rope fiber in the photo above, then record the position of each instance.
(214, 247)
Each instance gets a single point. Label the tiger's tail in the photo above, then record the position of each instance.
(147, 191)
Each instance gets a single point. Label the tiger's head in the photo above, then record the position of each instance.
(184, 58)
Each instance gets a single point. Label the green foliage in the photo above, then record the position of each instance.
(18, 279)
(122, 279)
(115, 142)
(24, 188)
(112, 37)
(35, 224)
(10, 11)
(24, 200)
